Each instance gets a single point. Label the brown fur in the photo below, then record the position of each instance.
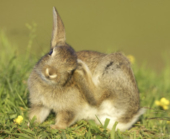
(126, 93)
(51, 83)
(63, 119)
(68, 82)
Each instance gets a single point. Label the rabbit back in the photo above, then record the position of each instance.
(112, 72)
(114, 89)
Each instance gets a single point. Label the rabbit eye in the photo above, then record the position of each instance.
(50, 52)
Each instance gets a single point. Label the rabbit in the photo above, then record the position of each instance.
(52, 85)
(82, 85)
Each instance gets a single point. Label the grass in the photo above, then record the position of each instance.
(14, 71)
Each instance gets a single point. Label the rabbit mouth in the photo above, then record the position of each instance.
(51, 80)
(48, 79)
(49, 75)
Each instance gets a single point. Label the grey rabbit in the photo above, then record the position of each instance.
(82, 85)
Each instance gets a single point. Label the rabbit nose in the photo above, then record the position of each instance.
(50, 74)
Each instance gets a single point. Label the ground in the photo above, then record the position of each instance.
(154, 90)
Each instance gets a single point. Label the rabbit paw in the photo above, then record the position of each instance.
(58, 126)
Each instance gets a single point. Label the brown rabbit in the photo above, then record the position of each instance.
(82, 85)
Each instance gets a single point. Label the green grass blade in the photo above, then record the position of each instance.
(22, 135)
(106, 123)
(99, 121)
(113, 135)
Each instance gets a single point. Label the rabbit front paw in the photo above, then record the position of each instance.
(59, 126)
(63, 120)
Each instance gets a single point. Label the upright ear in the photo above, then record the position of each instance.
(58, 34)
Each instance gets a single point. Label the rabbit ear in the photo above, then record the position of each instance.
(58, 34)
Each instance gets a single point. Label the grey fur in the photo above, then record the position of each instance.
(68, 83)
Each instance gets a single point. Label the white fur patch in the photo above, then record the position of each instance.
(44, 113)
(47, 71)
(96, 80)
(53, 76)
(88, 112)
(107, 110)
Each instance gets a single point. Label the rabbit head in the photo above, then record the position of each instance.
(57, 66)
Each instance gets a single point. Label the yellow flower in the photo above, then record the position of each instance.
(163, 103)
(168, 122)
(165, 107)
(18, 120)
(157, 103)
(131, 59)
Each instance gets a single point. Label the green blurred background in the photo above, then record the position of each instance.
(137, 27)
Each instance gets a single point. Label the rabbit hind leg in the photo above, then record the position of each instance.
(129, 122)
